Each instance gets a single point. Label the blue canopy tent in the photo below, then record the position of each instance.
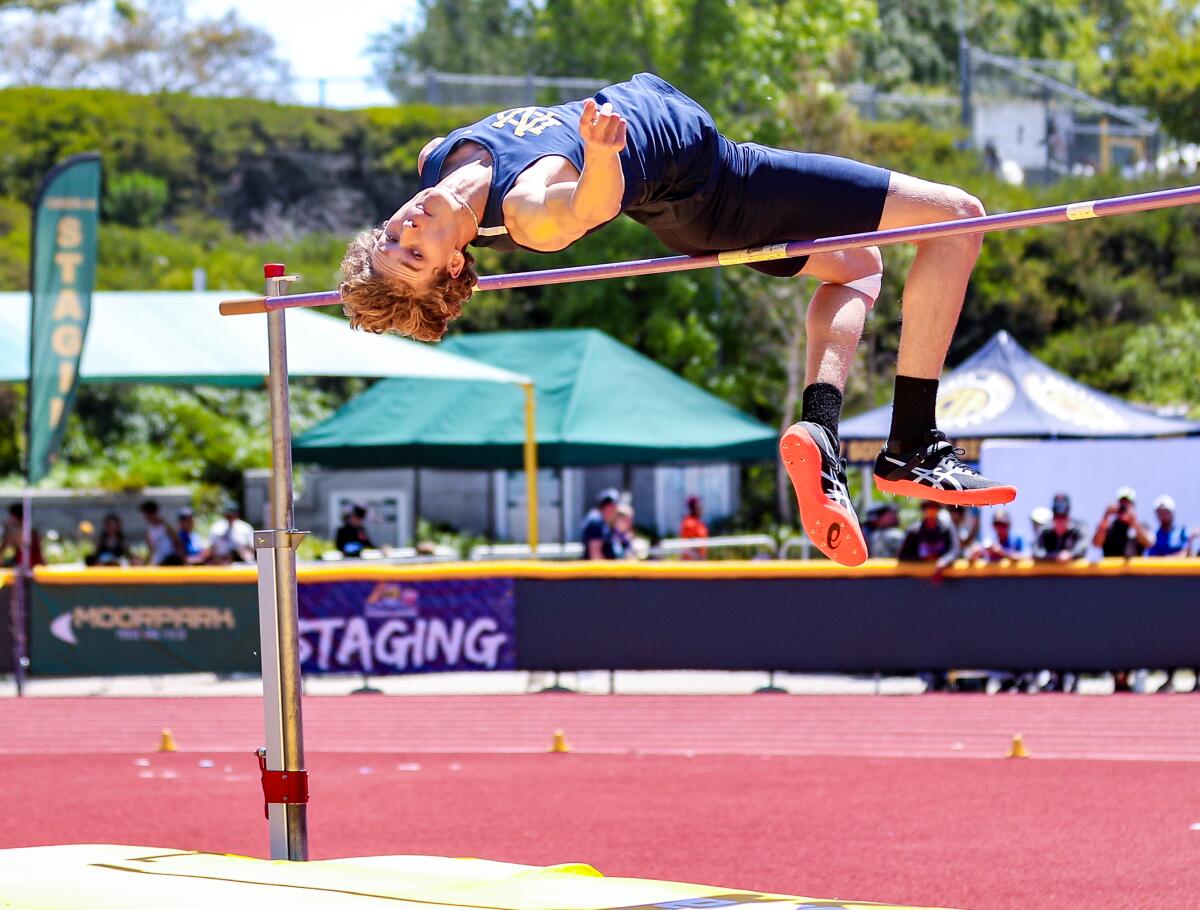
(1003, 391)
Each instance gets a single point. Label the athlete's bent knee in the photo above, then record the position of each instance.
(968, 206)
(869, 274)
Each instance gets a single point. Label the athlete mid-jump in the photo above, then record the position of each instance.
(541, 178)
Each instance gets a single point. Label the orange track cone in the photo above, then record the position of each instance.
(559, 743)
(166, 742)
(1017, 749)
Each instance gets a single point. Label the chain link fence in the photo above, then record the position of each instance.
(1026, 118)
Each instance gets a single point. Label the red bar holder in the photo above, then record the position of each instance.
(281, 787)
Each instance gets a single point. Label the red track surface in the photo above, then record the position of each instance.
(1119, 727)
(758, 806)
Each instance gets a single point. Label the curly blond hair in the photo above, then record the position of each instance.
(375, 305)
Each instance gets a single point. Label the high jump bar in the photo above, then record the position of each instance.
(1055, 214)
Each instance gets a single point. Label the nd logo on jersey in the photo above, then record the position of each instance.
(525, 120)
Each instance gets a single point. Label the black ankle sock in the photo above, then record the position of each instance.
(914, 412)
(822, 405)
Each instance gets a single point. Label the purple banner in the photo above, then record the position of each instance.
(388, 627)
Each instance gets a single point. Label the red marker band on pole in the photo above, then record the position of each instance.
(1056, 214)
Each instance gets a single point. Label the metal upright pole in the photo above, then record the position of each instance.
(284, 777)
(966, 108)
(531, 469)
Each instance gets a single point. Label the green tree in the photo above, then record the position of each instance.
(917, 40)
(1162, 360)
(136, 199)
(149, 47)
(457, 36)
(740, 58)
(1167, 81)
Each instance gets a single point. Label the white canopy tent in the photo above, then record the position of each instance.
(179, 337)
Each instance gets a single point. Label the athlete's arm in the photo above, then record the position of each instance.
(597, 195)
(554, 216)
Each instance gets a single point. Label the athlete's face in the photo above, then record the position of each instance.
(422, 237)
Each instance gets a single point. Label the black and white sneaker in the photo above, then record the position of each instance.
(818, 474)
(933, 471)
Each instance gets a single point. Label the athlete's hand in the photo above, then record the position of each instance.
(601, 128)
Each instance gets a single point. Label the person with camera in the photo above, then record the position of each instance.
(1120, 533)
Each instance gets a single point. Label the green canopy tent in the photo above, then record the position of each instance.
(598, 402)
(180, 338)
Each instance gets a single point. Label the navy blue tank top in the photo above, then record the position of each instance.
(671, 152)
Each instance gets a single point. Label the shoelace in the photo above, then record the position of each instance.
(947, 451)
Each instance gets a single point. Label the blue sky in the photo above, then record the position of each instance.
(320, 41)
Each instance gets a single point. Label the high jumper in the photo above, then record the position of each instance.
(541, 178)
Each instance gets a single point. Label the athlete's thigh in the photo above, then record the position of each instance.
(785, 195)
(911, 200)
(800, 196)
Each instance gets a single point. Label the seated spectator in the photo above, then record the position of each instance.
(882, 529)
(162, 545)
(230, 539)
(111, 547)
(693, 527)
(1002, 544)
(1170, 539)
(352, 536)
(620, 542)
(1119, 532)
(932, 539)
(11, 539)
(1039, 517)
(195, 550)
(1063, 540)
(966, 525)
(597, 525)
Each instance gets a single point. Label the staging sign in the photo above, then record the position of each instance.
(388, 627)
(63, 273)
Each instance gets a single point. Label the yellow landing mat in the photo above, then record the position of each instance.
(111, 877)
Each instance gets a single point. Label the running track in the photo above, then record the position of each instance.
(1130, 727)
(858, 797)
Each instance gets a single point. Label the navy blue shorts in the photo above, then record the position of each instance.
(762, 195)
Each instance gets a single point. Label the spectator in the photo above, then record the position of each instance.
(1063, 540)
(597, 524)
(966, 525)
(620, 541)
(1003, 544)
(883, 532)
(932, 539)
(162, 545)
(352, 536)
(192, 545)
(230, 539)
(1170, 539)
(1120, 535)
(111, 546)
(1119, 532)
(11, 539)
(693, 527)
(1039, 517)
